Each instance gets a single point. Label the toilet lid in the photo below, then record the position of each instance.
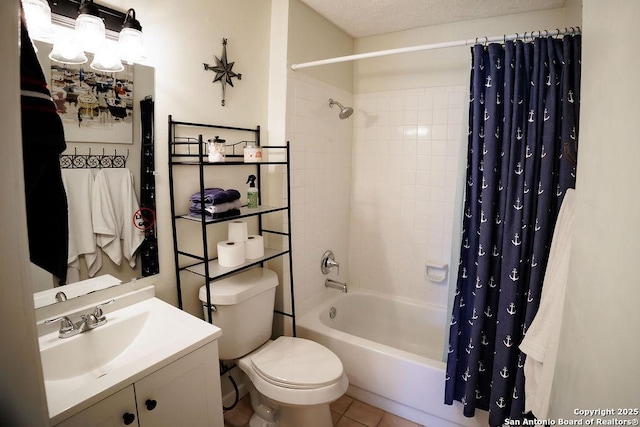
(297, 363)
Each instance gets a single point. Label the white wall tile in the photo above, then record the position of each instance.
(321, 182)
(404, 214)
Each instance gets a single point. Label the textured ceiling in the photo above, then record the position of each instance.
(362, 18)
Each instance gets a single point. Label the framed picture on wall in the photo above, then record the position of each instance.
(94, 106)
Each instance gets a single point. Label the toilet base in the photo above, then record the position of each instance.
(308, 416)
(268, 413)
(256, 421)
(289, 416)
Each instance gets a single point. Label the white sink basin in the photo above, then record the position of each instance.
(135, 341)
(90, 353)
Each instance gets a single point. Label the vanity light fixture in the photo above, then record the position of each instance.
(89, 26)
(88, 35)
(38, 15)
(67, 50)
(110, 34)
(130, 39)
(106, 60)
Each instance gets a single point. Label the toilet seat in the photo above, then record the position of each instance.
(297, 363)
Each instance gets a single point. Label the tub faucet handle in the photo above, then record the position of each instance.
(328, 262)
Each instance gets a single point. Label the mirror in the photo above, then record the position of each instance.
(113, 105)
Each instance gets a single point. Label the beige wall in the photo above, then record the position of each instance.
(442, 67)
(597, 364)
(180, 37)
(312, 37)
(601, 316)
(22, 400)
(321, 151)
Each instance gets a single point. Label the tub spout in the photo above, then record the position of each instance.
(336, 285)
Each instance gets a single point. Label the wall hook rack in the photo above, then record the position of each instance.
(93, 161)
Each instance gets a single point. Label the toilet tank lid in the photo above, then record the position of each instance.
(240, 287)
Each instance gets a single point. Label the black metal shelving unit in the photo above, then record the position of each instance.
(189, 152)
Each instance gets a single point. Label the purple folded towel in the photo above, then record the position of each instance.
(215, 196)
(213, 209)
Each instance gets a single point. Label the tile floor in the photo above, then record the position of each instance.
(345, 412)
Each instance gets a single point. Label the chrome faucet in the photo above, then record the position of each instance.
(328, 262)
(87, 322)
(335, 285)
(61, 296)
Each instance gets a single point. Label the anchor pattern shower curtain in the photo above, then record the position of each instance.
(522, 154)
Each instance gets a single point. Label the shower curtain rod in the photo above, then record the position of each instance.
(434, 46)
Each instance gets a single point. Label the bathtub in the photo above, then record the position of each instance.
(392, 351)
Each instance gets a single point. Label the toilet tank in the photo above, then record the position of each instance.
(243, 310)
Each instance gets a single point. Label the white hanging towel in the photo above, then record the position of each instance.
(540, 343)
(114, 206)
(78, 184)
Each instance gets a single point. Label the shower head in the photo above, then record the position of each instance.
(344, 111)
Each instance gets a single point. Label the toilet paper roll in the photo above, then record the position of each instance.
(254, 247)
(230, 254)
(237, 231)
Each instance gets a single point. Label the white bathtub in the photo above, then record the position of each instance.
(392, 351)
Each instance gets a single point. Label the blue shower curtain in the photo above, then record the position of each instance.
(522, 154)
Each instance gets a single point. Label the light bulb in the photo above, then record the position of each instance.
(38, 16)
(91, 31)
(106, 60)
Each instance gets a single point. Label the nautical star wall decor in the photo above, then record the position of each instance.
(224, 70)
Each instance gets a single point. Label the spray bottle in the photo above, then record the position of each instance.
(252, 192)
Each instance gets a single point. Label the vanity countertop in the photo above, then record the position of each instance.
(147, 335)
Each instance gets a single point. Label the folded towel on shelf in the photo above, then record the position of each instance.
(223, 207)
(226, 214)
(215, 196)
(210, 209)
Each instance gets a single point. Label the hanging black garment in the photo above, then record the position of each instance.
(149, 247)
(42, 143)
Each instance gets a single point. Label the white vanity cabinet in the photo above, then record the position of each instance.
(109, 412)
(185, 392)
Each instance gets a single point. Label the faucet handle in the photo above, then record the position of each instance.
(61, 296)
(98, 313)
(328, 262)
(66, 325)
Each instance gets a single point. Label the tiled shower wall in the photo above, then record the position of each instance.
(406, 155)
(321, 184)
(378, 188)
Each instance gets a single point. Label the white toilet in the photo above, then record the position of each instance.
(293, 380)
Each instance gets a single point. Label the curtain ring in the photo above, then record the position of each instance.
(517, 37)
(486, 40)
(476, 40)
(504, 39)
(573, 31)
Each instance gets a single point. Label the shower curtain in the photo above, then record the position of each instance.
(522, 153)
